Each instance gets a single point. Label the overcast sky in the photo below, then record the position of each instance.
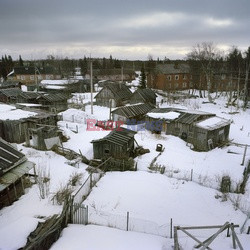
(125, 29)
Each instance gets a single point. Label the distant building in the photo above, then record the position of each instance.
(32, 75)
(112, 75)
(113, 95)
(170, 77)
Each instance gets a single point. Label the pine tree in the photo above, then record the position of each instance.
(143, 79)
(20, 61)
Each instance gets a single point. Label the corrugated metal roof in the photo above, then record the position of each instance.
(14, 174)
(120, 136)
(29, 95)
(11, 92)
(9, 156)
(134, 110)
(54, 97)
(120, 90)
(146, 94)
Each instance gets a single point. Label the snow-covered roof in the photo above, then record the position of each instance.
(167, 116)
(8, 112)
(213, 123)
(53, 87)
(58, 82)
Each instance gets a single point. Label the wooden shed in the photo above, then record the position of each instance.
(14, 126)
(131, 112)
(9, 95)
(143, 96)
(119, 144)
(210, 133)
(54, 102)
(13, 168)
(113, 95)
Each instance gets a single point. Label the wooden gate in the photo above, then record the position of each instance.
(79, 214)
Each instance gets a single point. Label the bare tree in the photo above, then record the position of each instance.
(207, 55)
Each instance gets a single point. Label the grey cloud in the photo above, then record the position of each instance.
(49, 24)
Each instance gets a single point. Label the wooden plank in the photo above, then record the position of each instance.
(176, 244)
(215, 235)
(194, 238)
(236, 237)
(205, 227)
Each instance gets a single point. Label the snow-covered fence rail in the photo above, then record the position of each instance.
(127, 222)
(86, 187)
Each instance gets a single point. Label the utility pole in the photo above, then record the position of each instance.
(122, 73)
(91, 85)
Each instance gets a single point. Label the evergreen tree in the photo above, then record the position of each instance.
(20, 61)
(143, 78)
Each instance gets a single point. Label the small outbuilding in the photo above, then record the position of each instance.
(131, 112)
(13, 168)
(113, 95)
(119, 144)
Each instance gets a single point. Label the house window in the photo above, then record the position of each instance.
(176, 77)
(176, 85)
(18, 77)
(32, 77)
(223, 77)
(39, 77)
(184, 77)
(169, 78)
(22, 77)
(184, 85)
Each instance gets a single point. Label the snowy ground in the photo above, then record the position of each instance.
(149, 197)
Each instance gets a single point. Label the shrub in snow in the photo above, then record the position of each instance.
(62, 194)
(75, 179)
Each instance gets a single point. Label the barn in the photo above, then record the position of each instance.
(143, 96)
(113, 95)
(131, 112)
(119, 144)
(13, 168)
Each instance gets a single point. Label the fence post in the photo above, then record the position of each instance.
(87, 215)
(248, 230)
(171, 228)
(191, 174)
(90, 180)
(127, 220)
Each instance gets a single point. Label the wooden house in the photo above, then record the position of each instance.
(112, 74)
(119, 144)
(15, 123)
(203, 130)
(31, 75)
(134, 112)
(9, 95)
(170, 77)
(113, 95)
(13, 168)
(143, 96)
(53, 102)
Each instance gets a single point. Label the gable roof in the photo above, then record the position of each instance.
(212, 123)
(54, 97)
(30, 70)
(119, 136)
(11, 92)
(119, 90)
(134, 110)
(9, 157)
(189, 117)
(173, 68)
(146, 94)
